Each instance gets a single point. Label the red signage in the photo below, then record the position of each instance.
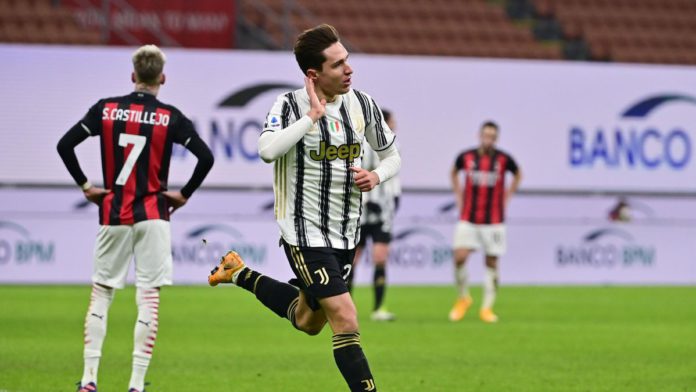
(199, 24)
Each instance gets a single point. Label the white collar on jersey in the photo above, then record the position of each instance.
(302, 93)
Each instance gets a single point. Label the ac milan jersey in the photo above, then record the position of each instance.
(137, 132)
(484, 185)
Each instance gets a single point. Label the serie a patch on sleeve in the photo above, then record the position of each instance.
(273, 122)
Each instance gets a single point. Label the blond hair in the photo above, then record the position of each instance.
(148, 64)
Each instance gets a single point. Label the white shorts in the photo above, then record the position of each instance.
(490, 238)
(149, 241)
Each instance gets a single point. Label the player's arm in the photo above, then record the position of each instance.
(456, 187)
(273, 145)
(200, 150)
(516, 179)
(88, 126)
(514, 185)
(369, 159)
(381, 139)
(454, 179)
(388, 167)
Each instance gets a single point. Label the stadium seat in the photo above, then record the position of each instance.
(621, 29)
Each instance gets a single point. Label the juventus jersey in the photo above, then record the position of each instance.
(316, 201)
(383, 196)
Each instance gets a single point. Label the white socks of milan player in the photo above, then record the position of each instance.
(461, 276)
(145, 334)
(95, 330)
(490, 287)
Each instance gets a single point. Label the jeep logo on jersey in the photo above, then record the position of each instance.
(330, 152)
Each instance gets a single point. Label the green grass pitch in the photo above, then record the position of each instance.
(222, 339)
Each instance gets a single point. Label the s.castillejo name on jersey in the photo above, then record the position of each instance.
(151, 118)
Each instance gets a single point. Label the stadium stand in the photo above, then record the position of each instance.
(473, 28)
(42, 21)
(644, 31)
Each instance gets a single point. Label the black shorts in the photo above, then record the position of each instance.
(321, 272)
(374, 231)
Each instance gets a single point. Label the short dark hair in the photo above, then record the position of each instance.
(387, 115)
(490, 124)
(310, 45)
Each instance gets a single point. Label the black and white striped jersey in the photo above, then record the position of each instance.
(316, 201)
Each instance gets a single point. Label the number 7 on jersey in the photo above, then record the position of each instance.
(138, 143)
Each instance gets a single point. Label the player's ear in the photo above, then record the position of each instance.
(133, 77)
(312, 74)
(163, 78)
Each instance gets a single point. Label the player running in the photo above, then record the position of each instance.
(314, 136)
(136, 133)
(379, 207)
(482, 213)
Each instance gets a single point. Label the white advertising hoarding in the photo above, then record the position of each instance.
(47, 236)
(570, 126)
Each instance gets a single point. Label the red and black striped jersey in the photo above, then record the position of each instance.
(484, 185)
(137, 132)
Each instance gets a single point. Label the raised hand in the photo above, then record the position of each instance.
(317, 107)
